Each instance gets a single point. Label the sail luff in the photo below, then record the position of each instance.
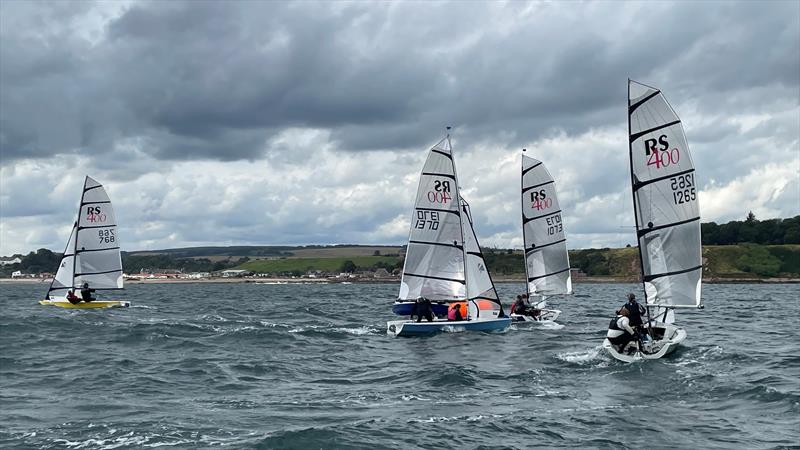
(633, 193)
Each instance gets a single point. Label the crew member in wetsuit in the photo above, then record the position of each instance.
(72, 298)
(423, 308)
(635, 313)
(519, 306)
(86, 293)
(620, 332)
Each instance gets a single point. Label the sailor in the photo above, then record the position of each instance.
(72, 298)
(86, 293)
(423, 308)
(635, 311)
(519, 306)
(620, 332)
(454, 313)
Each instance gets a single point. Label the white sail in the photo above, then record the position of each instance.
(665, 200)
(546, 258)
(480, 288)
(63, 281)
(434, 263)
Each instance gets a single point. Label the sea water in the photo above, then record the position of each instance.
(311, 366)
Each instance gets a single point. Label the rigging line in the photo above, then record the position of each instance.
(98, 273)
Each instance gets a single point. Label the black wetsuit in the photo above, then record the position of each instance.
(86, 294)
(425, 310)
(635, 312)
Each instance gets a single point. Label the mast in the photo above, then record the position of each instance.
(77, 230)
(522, 209)
(66, 249)
(635, 209)
(460, 216)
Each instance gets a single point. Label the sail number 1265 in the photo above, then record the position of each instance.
(683, 189)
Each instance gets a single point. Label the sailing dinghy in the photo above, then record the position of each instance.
(444, 263)
(92, 255)
(546, 258)
(667, 216)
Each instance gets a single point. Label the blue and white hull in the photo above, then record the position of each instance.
(413, 328)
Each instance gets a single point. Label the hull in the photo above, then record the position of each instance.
(91, 305)
(405, 308)
(672, 337)
(410, 328)
(545, 315)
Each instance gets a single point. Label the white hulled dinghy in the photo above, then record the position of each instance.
(546, 258)
(667, 221)
(92, 255)
(444, 263)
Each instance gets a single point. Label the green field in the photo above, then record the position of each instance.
(303, 265)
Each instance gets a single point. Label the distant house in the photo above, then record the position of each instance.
(195, 275)
(8, 260)
(234, 273)
(17, 274)
(382, 273)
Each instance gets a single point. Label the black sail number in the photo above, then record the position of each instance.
(683, 188)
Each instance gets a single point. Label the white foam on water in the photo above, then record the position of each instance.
(356, 331)
(550, 325)
(583, 357)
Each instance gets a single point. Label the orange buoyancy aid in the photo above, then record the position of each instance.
(459, 306)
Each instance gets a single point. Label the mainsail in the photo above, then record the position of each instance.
(434, 263)
(664, 199)
(92, 254)
(480, 288)
(546, 258)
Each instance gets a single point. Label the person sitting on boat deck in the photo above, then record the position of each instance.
(519, 306)
(620, 332)
(86, 293)
(72, 298)
(635, 310)
(454, 313)
(422, 308)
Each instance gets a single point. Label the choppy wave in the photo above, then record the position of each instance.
(310, 366)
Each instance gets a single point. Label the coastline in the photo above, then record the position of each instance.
(498, 280)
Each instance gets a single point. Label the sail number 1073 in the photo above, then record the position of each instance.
(683, 189)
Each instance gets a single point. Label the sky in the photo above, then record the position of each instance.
(271, 123)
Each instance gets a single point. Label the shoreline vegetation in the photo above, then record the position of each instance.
(749, 251)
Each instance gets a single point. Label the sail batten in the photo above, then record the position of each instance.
(546, 260)
(665, 200)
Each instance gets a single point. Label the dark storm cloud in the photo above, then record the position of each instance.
(218, 79)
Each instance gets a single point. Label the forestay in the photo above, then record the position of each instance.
(480, 288)
(665, 200)
(546, 258)
(434, 264)
(92, 255)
